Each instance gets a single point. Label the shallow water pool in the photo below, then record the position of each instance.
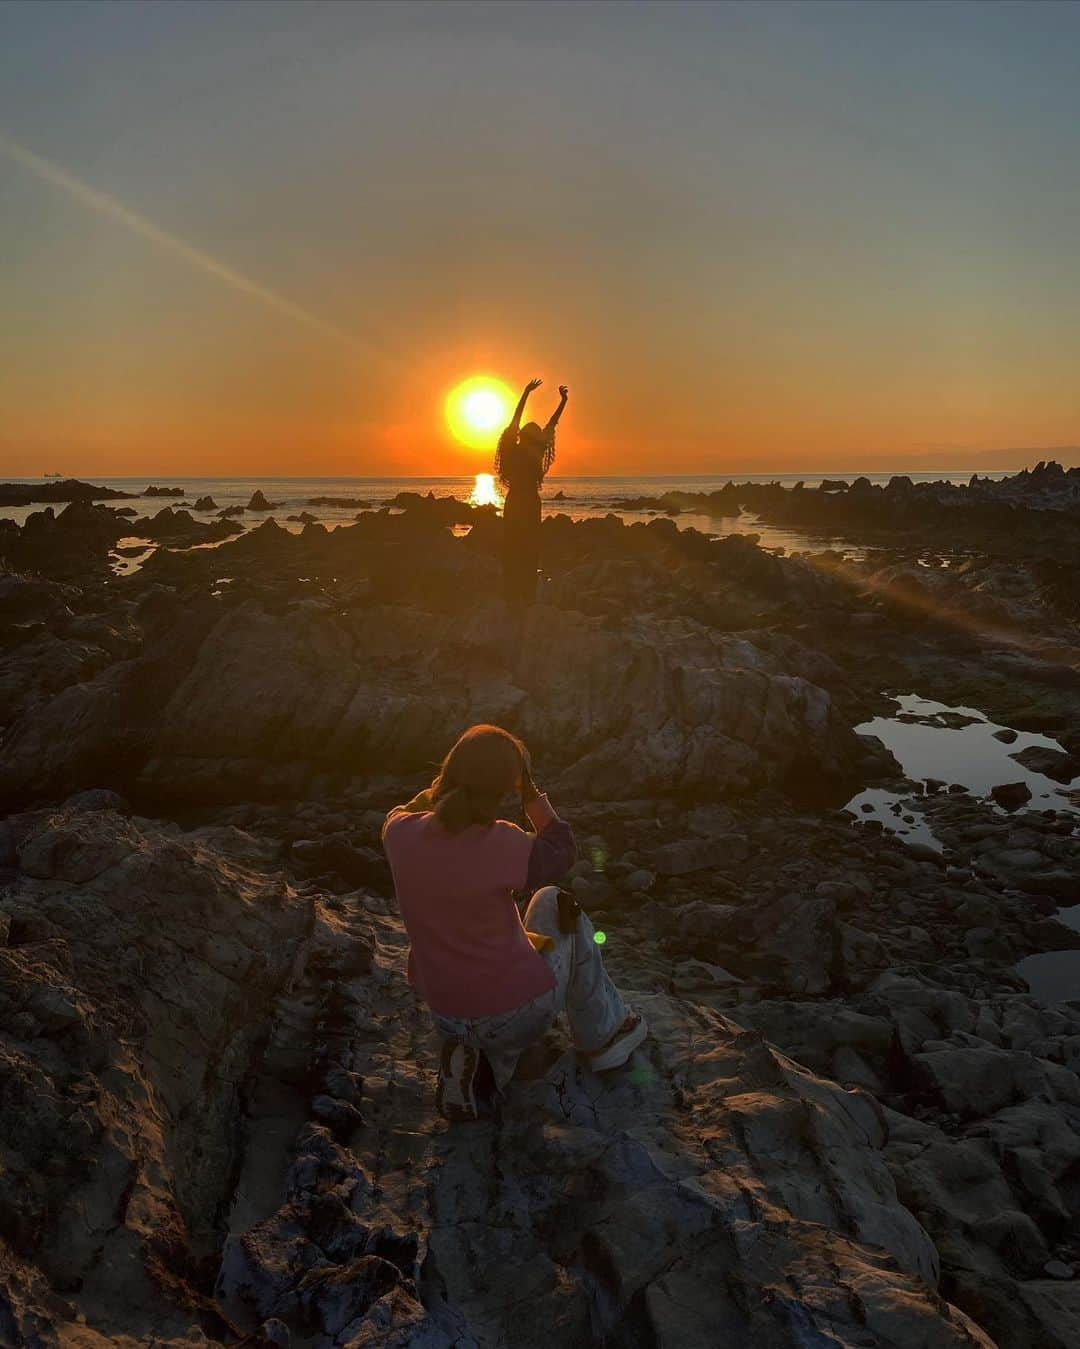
(934, 741)
(1054, 976)
(960, 744)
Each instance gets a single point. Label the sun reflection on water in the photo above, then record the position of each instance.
(485, 491)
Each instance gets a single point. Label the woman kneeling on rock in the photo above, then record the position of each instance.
(494, 984)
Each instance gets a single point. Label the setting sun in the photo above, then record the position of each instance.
(477, 409)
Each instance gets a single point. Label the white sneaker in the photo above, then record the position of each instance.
(619, 1048)
(455, 1098)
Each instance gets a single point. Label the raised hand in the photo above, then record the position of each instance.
(564, 391)
(515, 420)
(529, 790)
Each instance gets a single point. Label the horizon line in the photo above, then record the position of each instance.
(157, 479)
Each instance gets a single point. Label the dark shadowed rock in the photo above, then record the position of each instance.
(179, 528)
(68, 489)
(217, 1119)
(164, 957)
(73, 545)
(1011, 795)
(1053, 763)
(684, 856)
(97, 798)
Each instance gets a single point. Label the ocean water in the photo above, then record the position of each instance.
(581, 497)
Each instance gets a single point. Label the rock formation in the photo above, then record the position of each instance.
(853, 1123)
(198, 1059)
(67, 489)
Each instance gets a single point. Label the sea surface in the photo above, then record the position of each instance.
(578, 497)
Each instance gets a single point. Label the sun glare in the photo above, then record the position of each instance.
(477, 409)
(485, 492)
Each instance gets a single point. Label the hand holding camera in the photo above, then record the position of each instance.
(529, 789)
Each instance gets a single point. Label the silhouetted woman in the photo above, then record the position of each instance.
(524, 456)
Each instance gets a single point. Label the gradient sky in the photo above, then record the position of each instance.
(748, 236)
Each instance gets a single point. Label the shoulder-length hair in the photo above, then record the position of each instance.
(477, 774)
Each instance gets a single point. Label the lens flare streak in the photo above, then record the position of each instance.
(105, 205)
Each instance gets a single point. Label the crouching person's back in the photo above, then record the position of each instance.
(493, 983)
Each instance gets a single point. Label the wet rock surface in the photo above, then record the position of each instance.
(853, 1122)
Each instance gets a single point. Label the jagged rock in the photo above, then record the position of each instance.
(69, 489)
(986, 1198)
(795, 944)
(273, 697)
(97, 798)
(259, 503)
(693, 975)
(70, 546)
(687, 855)
(984, 943)
(918, 1009)
(862, 955)
(278, 1112)
(26, 597)
(1053, 763)
(438, 510)
(976, 1082)
(815, 1033)
(1011, 795)
(675, 1240)
(338, 853)
(180, 529)
(128, 1028)
(709, 1171)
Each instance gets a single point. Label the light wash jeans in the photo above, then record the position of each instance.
(592, 1003)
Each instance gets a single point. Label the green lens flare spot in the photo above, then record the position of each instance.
(599, 938)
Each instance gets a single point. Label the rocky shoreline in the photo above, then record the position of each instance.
(853, 1123)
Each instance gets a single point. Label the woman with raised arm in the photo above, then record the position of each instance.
(495, 985)
(523, 458)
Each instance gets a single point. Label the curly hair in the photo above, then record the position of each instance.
(510, 440)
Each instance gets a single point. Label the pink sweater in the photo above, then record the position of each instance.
(470, 955)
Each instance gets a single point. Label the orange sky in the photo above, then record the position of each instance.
(246, 240)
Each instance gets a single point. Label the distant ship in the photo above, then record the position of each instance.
(52, 475)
